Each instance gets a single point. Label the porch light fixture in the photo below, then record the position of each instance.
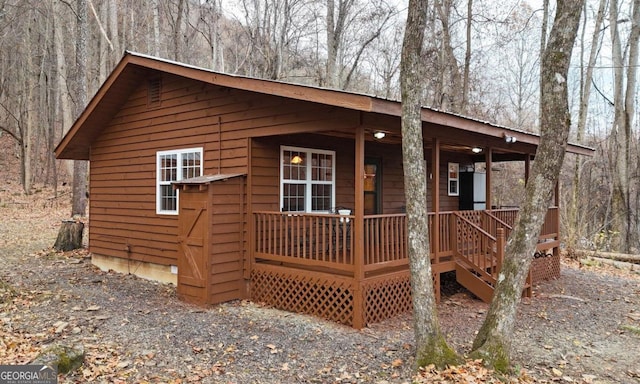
(296, 160)
(379, 135)
(476, 149)
(509, 139)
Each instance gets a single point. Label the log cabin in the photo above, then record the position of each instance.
(234, 188)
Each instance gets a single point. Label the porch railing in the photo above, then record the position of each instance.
(481, 251)
(385, 241)
(326, 240)
(549, 230)
(305, 239)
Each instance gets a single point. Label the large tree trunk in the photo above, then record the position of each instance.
(80, 167)
(431, 347)
(493, 341)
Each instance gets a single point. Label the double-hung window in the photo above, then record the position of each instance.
(307, 179)
(174, 166)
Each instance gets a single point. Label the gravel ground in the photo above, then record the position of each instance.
(579, 328)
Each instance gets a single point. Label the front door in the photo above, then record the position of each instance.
(372, 184)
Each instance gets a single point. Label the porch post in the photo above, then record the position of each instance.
(488, 164)
(435, 198)
(358, 233)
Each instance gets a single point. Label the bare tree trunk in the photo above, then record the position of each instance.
(80, 167)
(155, 11)
(620, 139)
(451, 98)
(629, 112)
(574, 226)
(333, 36)
(177, 31)
(493, 342)
(467, 60)
(29, 112)
(115, 53)
(431, 347)
(61, 75)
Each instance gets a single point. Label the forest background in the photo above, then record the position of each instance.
(481, 60)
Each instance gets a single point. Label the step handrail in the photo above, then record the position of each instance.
(481, 270)
(500, 221)
(474, 225)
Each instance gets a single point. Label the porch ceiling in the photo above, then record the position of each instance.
(464, 143)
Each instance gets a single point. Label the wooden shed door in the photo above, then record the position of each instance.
(192, 234)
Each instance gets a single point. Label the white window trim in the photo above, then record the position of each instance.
(178, 152)
(456, 179)
(308, 183)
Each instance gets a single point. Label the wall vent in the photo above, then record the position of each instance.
(154, 90)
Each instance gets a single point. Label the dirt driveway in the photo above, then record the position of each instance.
(579, 328)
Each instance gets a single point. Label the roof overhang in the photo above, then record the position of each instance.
(135, 68)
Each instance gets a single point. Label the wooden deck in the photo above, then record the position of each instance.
(309, 262)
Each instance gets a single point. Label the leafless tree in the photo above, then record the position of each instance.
(493, 342)
(80, 167)
(431, 347)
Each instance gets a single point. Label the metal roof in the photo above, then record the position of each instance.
(134, 68)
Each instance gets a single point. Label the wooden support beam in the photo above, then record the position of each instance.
(358, 231)
(488, 181)
(435, 197)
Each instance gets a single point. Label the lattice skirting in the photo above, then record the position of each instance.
(545, 268)
(386, 296)
(319, 294)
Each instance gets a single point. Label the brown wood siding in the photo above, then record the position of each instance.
(124, 222)
(221, 120)
(265, 171)
(228, 239)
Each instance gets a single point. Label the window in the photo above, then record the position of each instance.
(173, 166)
(307, 179)
(454, 171)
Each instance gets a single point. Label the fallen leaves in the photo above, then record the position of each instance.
(471, 372)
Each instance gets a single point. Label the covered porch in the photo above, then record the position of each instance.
(310, 263)
(352, 266)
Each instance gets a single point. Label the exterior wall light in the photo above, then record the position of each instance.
(476, 149)
(509, 139)
(379, 135)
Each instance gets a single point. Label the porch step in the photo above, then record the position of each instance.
(473, 283)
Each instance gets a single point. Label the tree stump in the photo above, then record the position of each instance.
(69, 236)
